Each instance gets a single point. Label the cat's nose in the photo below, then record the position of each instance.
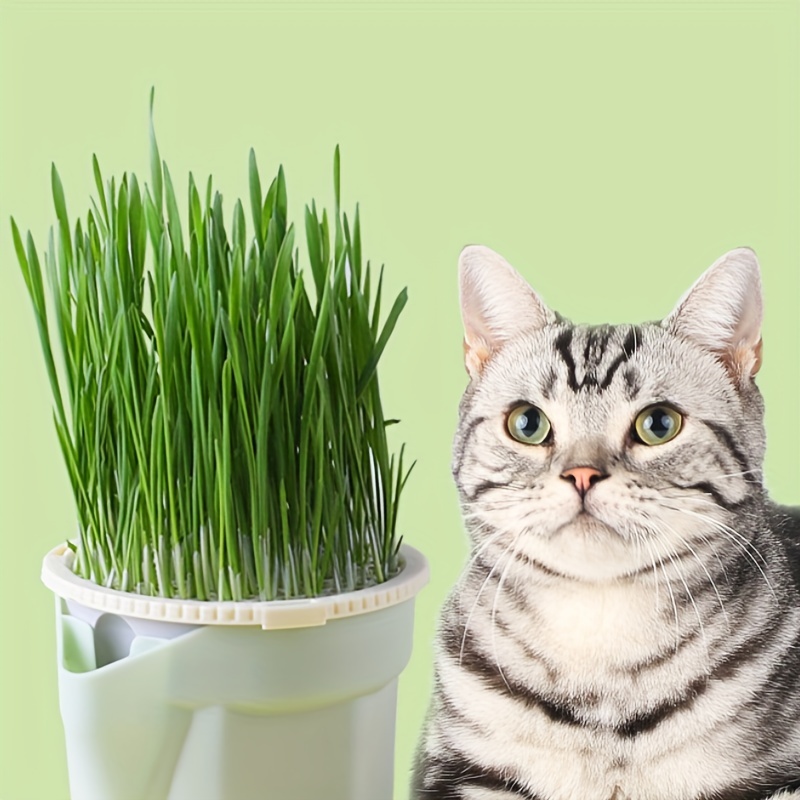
(583, 478)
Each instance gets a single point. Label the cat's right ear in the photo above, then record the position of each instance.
(496, 305)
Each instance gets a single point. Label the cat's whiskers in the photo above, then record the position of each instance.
(641, 542)
(682, 498)
(656, 564)
(732, 532)
(737, 474)
(521, 513)
(694, 498)
(743, 540)
(480, 591)
(732, 535)
(637, 540)
(480, 550)
(672, 553)
(726, 475)
(709, 543)
(497, 592)
(702, 565)
(707, 540)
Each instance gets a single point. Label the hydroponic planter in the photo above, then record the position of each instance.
(166, 699)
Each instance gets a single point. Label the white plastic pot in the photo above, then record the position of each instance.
(188, 700)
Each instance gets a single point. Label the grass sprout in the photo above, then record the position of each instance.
(220, 420)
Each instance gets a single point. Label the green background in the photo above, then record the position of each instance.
(610, 151)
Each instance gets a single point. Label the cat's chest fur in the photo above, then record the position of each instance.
(583, 626)
(605, 650)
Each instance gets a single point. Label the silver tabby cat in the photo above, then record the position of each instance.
(628, 624)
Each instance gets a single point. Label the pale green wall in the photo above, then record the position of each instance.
(611, 151)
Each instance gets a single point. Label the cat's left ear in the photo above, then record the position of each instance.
(722, 312)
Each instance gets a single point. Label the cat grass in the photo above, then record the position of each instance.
(218, 407)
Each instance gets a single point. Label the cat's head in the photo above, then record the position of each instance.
(600, 450)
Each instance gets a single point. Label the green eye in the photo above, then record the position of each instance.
(528, 424)
(657, 424)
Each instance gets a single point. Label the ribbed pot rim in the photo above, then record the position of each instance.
(58, 576)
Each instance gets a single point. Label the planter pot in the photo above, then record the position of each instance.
(187, 700)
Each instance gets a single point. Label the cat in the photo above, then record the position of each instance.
(628, 624)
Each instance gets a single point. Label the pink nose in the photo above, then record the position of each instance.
(583, 478)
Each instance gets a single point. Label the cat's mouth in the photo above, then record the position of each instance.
(586, 522)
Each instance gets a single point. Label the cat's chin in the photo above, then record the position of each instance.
(589, 549)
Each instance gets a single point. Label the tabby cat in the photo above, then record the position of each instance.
(628, 624)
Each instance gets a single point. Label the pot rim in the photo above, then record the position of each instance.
(57, 575)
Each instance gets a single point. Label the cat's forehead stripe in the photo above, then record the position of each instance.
(596, 348)
(549, 384)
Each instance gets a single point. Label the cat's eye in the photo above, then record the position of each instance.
(528, 424)
(657, 424)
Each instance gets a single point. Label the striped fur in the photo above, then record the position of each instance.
(649, 647)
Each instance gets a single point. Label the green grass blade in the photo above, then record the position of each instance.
(156, 174)
(61, 210)
(255, 198)
(383, 339)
